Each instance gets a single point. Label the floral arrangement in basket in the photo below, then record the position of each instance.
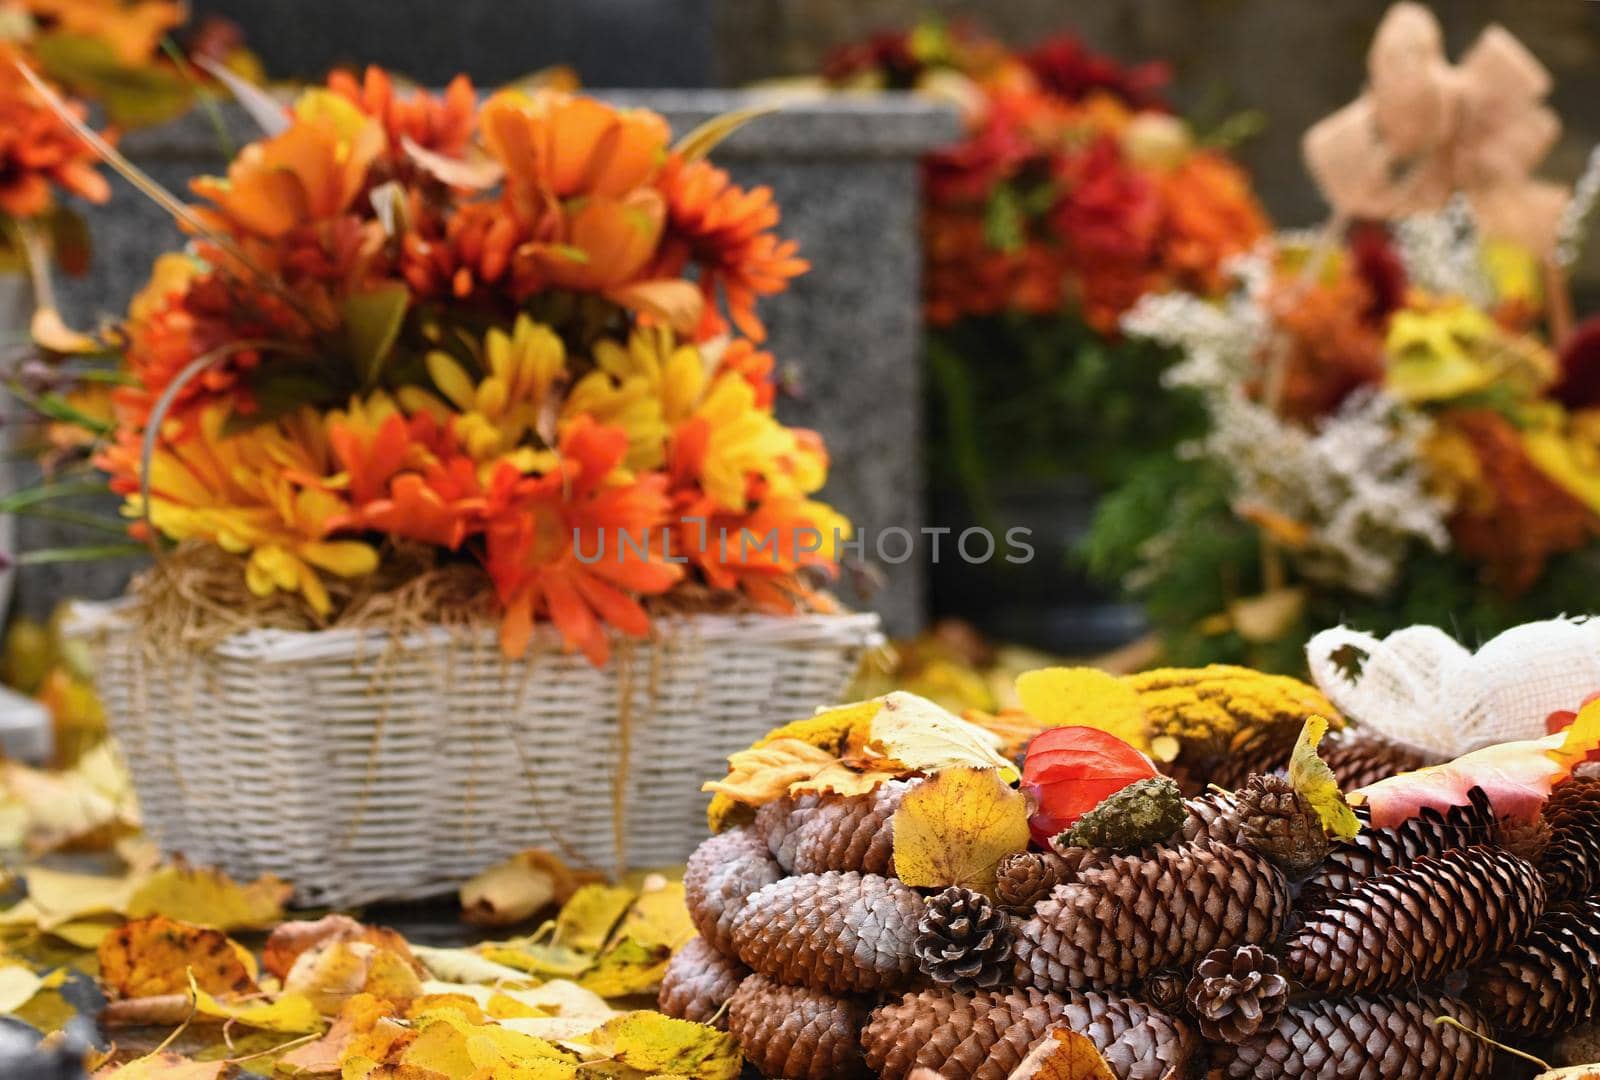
(1402, 422)
(1074, 192)
(515, 341)
(888, 894)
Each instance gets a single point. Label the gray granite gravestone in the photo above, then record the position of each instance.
(844, 172)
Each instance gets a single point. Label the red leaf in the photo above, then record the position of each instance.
(1069, 770)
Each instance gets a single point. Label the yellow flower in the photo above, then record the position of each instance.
(267, 492)
(745, 440)
(1451, 350)
(1566, 449)
(517, 396)
(647, 387)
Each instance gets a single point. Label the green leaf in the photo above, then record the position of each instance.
(372, 322)
(279, 391)
(20, 500)
(133, 96)
(705, 138)
(88, 553)
(1003, 220)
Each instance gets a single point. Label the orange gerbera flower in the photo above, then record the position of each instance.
(556, 145)
(38, 150)
(556, 544)
(761, 552)
(725, 231)
(442, 123)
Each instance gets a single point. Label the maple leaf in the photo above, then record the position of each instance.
(518, 888)
(920, 735)
(1517, 776)
(1085, 697)
(1311, 778)
(154, 956)
(955, 828)
(1064, 1055)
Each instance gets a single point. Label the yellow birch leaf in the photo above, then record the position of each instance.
(1315, 782)
(657, 1044)
(920, 735)
(517, 889)
(164, 1066)
(156, 956)
(534, 958)
(955, 828)
(292, 1014)
(59, 896)
(210, 898)
(659, 918)
(466, 966)
(628, 967)
(18, 984)
(764, 773)
(1064, 1055)
(586, 920)
(1086, 697)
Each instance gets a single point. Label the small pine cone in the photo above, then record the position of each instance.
(843, 933)
(986, 1036)
(1278, 822)
(1235, 993)
(1166, 990)
(1375, 851)
(722, 873)
(1528, 840)
(1212, 816)
(964, 941)
(1412, 926)
(698, 982)
(791, 1033)
(1143, 813)
(1129, 916)
(813, 834)
(1571, 865)
(1360, 756)
(1386, 1037)
(1027, 877)
(1550, 983)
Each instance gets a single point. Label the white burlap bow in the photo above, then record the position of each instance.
(1420, 687)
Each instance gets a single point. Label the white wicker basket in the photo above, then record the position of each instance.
(364, 767)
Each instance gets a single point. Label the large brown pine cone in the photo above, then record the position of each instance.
(1414, 925)
(1279, 823)
(791, 1033)
(723, 871)
(1386, 1037)
(843, 933)
(698, 982)
(1571, 864)
(1374, 851)
(986, 1036)
(1128, 916)
(1550, 983)
(1027, 877)
(813, 834)
(1360, 756)
(964, 941)
(1236, 992)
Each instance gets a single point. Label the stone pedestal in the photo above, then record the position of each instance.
(844, 170)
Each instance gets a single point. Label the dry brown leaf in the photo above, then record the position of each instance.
(839, 779)
(515, 890)
(955, 828)
(287, 941)
(154, 956)
(359, 1015)
(1064, 1054)
(764, 773)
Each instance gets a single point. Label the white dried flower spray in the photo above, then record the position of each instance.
(1443, 253)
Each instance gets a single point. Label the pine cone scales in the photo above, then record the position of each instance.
(813, 834)
(1411, 926)
(1212, 816)
(792, 1033)
(840, 932)
(1235, 994)
(698, 982)
(1028, 877)
(1129, 916)
(1360, 756)
(1374, 851)
(1571, 864)
(1549, 983)
(1386, 1037)
(986, 1036)
(1279, 823)
(723, 871)
(963, 941)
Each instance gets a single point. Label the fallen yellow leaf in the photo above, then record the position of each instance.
(210, 898)
(764, 773)
(655, 1044)
(628, 967)
(659, 917)
(839, 779)
(335, 971)
(154, 956)
(18, 984)
(1064, 1054)
(955, 828)
(920, 735)
(165, 1067)
(1086, 697)
(1315, 782)
(586, 920)
(517, 889)
(293, 1014)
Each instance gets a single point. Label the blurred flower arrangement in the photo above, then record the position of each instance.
(1075, 191)
(1392, 438)
(517, 342)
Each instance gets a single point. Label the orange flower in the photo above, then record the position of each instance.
(133, 28)
(762, 552)
(556, 544)
(38, 150)
(725, 231)
(442, 124)
(1211, 215)
(556, 145)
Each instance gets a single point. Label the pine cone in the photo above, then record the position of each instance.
(843, 933)
(986, 1036)
(1411, 926)
(1528, 840)
(964, 941)
(1374, 851)
(813, 834)
(1250, 754)
(1279, 823)
(1145, 812)
(1166, 990)
(1387, 1037)
(792, 1033)
(1027, 877)
(1550, 983)
(721, 874)
(1571, 865)
(1212, 816)
(1360, 756)
(1129, 916)
(698, 982)
(1235, 993)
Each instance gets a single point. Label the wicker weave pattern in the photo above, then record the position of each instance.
(362, 767)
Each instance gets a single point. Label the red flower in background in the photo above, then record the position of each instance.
(1070, 71)
(1578, 386)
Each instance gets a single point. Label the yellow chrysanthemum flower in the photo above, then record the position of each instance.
(744, 440)
(518, 395)
(646, 387)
